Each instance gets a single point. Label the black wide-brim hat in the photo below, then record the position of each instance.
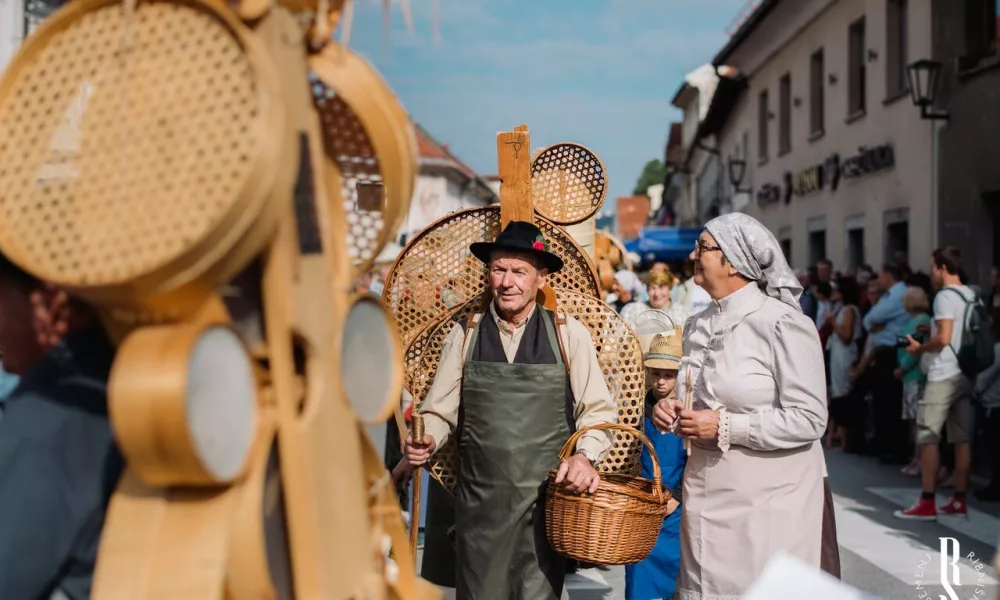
(519, 236)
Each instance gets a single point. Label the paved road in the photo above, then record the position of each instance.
(881, 556)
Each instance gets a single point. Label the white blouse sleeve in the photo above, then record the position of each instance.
(800, 379)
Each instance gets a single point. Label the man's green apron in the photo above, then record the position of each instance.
(514, 419)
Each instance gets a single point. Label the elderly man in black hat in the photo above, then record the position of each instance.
(513, 384)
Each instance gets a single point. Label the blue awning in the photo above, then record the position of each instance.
(664, 243)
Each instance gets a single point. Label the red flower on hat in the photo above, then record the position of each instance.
(538, 246)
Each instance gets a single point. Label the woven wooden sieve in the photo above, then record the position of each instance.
(436, 273)
(370, 142)
(568, 183)
(138, 150)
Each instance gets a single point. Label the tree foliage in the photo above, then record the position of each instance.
(653, 173)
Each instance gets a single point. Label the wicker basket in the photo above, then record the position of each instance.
(618, 524)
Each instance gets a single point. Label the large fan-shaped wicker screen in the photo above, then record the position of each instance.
(435, 274)
(618, 352)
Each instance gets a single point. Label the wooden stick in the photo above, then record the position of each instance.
(514, 167)
(418, 440)
(688, 402)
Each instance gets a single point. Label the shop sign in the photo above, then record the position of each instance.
(768, 194)
(869, 160)
(808, 181)
(828, 174)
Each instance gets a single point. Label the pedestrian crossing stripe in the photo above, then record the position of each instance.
(895, 552)
(979, 526)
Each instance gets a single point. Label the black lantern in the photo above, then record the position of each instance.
(924, 76)
(737, 171)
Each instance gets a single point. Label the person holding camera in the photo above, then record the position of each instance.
(909, 370)
(947, 398)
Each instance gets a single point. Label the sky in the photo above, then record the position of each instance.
(600, 73)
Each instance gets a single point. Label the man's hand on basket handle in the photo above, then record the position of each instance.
(418, 454)
(577, 475)
(665, 413)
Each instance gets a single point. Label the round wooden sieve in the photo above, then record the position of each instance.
(436, 273)
(370, 143)
(139, 148)
(568, 183)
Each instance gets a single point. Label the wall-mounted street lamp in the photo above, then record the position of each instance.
(924, 76)
(737, 171)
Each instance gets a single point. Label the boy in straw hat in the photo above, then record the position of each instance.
(656, 576)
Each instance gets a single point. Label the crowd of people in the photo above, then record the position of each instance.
(779, 364)
(898, 384)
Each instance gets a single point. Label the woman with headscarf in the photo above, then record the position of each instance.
(658, 288)
(628, 290)
(755, 482)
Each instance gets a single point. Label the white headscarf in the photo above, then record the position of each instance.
(755, 253)
(629, 281)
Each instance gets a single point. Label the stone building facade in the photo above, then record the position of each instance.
(838, 162)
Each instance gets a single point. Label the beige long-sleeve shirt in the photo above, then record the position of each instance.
(592, 402)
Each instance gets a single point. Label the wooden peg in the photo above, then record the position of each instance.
(514, 161)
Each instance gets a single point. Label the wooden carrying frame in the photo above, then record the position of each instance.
(181, 193)
(436, 283)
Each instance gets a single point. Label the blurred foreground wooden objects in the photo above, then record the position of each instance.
(215, 206)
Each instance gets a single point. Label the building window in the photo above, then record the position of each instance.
(817, 104)
(897, 39)
(817, 239)
(762, 115)
(855, 241)
(857, 70)
(817, 246)
(981, 29)
(897, 240)
(785, 111)
(786, 249)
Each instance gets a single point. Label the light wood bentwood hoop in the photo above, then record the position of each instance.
(616, 525)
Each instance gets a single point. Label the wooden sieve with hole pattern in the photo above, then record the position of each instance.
(568, 183)
(436, 272)
(139, 148)
(371, 145)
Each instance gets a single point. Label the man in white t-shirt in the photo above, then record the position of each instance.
(948, 397)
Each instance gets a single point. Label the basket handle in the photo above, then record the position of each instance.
(570, 445)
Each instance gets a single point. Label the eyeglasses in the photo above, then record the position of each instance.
(701, 247)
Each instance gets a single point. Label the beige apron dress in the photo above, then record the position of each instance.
(753, 356)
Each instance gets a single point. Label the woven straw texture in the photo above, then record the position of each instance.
(436, 274)
(616, 525)
(126, 139)
(348, 144)
(568, 183)
(618, 353)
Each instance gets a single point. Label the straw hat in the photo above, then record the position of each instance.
(665, 351)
